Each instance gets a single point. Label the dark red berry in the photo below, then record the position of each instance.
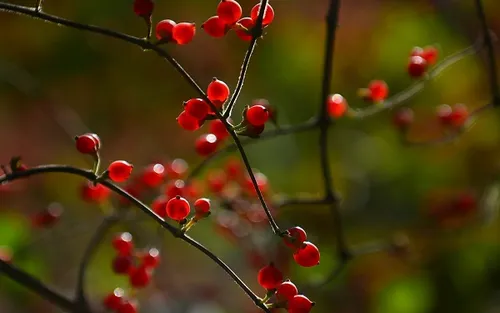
(307, 255)
(300, 304)
(140, 277)
(403, 118)
(297, 236)
(269, 277)
(175, 188)
(127, 307)
(188, 122)
(122, 264)
(268, 14)
(87, 143)
(153, 175)
(197, 108)
(202, 206)
(206, 144)
(123, 243)
(48, 217)
(183, 33)
(177, 168)
(459, 115)
(217, 90)
(378, 90)
(143, 8)
(217, 128)
(120, 171)
(178, 208)
(244, 29)
(286, 290)
(215, 27)
(430, 55)
(164, 30)
(336, 105)
(417, 66)
(151, 259)
(257, 115)
(229, 11)
(159, 205)
(113, 300)
(94, 194)
(443, 113)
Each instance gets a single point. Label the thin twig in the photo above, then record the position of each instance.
(38, 7)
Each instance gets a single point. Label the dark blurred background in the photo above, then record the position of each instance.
(57, 82)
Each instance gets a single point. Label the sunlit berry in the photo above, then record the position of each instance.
(229, 11)
(202, 206)
(122, 264)
(197, 108)
(378, 90)
(206, 144)
(127, 306)
(403, 118)
(188, 122)
(151, 258)
(286, 290)
(430, 55)
(87, 143)
(153, 175)
(336, 105)
(215, 27)
(269, 277)
(183, 33)
(159, 205)
(178, 208)
(217, 128)
(297, 236)
(417, 66)
(140, 277)
(143, 8)
(268, 14)
(307, 255)
(123, 243)
(113, 300)
(94, 193)
(257, 115)
(244, 32)
(299, 304)
(164, 30)
(217, 90)
(119, 171)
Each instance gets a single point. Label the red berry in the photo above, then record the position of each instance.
(269, 277)
(122, 264)
(215, 27)
(197, 108)
(114, 299)
(262, 183)
(216, 181)
(175, 188)
(178, 208)
(297, 236)
(229, 11)
(257, 115)
(123, 243)
(87, 143)
(95, 194)
(268, 14)
(140, 277)
(143, 8)
(183, 33)
(417, 66)
(443, 113)
(206, 144)
(202, 206)
(459, 115)
(286, 291)
(430, 54)
(234, 169)
(245, 34)
(177, 168)
(336, 105)
(120, 171)
(153, 175)
(378, 90)
(300, 304)
(49, 216)
(307, 255)
(127, 307)
(217, 128)
(159, 206)
(188, 122)
(164, 30)
(217, 90)
(151, 259)
(403, 118)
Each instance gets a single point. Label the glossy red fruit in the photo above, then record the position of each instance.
(197, 108)
(286, 291)
(164, 30)
(143, 8)
(459, 115)
(120, 171)
(443, 113)
(87, 143)
(257, 115)
(206, 144)
(159, 206)
(229, 11)
(268, 14)
(245, 34)
(215, 27)
(177, 168)
(48, 217)
(300, 304)
(178, 208)
(123, 243)
(307, 255)
(122, 264)
(188, 122)
(114, 300)
(216, 181)
(269, 277)
(297, 237)
(175, 188)
(127, 306)
(183, 33)
(430, 55)
(417, 66)
(140, 277)
(336, 105)
(403, 118)
(94, 194)
(151, 258)
(217, 128)
(217, 90)
(202, 206)
(378, 90)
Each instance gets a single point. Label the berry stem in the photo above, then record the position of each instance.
(186, 227)
(97, 163)
(38, 7)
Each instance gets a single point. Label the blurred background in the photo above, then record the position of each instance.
(56, 83)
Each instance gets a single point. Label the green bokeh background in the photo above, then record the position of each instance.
(57, 82)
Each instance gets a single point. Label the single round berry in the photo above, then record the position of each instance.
(206, 144)
(215, 27)
(217, 128)
(140, 277)
(175, 188)
(164, 30)
(151, 259)
(188, 122)
(217, 90)
(378, 90)
(178, 208)
(122, 264)
(113, 300)
(123, 243)
(297, 237)
(430, 55)
(417, 66)
(202, 206)
(197, 108)
(143, 8)
(268, 14)
(127, 307)
(244, 29)
(299, 304)
(49, 216)
(307, 255)
(459, 115)
(177, 168)
(269, 277)
(153, 175)
(286, 290)
(403, 118)
(443, 113)
(183, 33)
(87, 143)
(159, 206)
(336, 105)
(257, 115)
(120, 171)
(229, 11)
(94, 193)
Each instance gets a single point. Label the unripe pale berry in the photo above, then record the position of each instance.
(119, 171)
(229, 11)
(183, 33)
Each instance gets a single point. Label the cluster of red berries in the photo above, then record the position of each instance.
(455, 116)
(286, 294)
(305, 254)
(420, 60)
(229, 16)
(452, 208)
(48, 217)
(137, 265)
(178, 208)
(179, 33)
